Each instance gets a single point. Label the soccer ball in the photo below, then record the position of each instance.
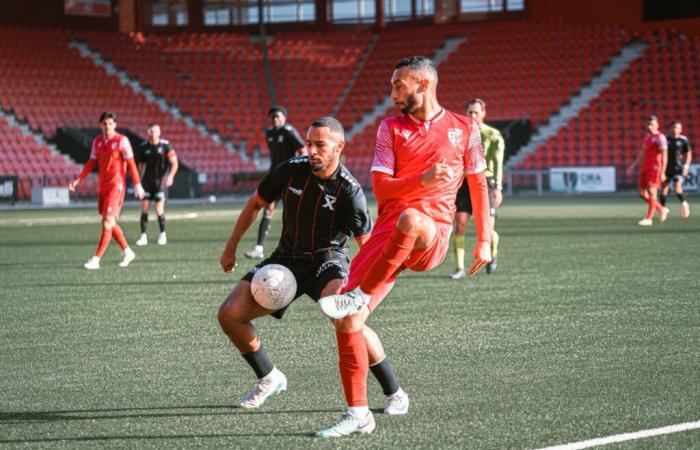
(273, 286)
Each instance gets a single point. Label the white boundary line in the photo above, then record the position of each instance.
(125, 218)
(627, 436)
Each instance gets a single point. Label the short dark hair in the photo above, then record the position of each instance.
(475, 101)
(277, 109)
(418, 64)
(676, 122)
(653, 119)
(153, 124)
(108, 115)
(332, 124)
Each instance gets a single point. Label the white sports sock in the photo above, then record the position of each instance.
(358, 411)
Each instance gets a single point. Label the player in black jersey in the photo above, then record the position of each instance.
(323, 204)
(283, 142)
(157, 163)
(679, 157)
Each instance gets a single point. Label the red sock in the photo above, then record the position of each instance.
(104, 242)
(394, 253)
(354, 366)
(119, 236)
(654, 205)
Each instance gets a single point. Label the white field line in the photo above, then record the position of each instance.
(125, 218)
(627, 436)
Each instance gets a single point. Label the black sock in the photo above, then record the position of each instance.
(161, 223)
(263, 230)
(260, 361)
(144, 222)
(681, 197)
(662, 199)
(384, 374)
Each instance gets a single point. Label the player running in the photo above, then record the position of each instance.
(419, 162)
(679, 157)
(112, 154)
(323, 204)
(157, 164)
(494, 147)
(653, 157)
(283, 142)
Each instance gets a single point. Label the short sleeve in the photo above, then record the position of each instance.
(384, 159)
(474, 161)
(125, 146)
(270, 188)
(93, 150)
(295, 139)
(360, 219)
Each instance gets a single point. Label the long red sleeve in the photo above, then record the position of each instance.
(479, 194)
(386, 187)
(133, 171)
(87, 169)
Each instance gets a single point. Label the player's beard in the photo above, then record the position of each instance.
(411, 104)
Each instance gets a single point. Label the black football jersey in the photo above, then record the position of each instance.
(155, 158)
(282, 142)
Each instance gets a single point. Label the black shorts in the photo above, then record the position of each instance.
(154, 191)
(674, 175)
(312, 277)
(464, 201)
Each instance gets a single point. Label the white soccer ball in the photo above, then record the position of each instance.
(273, 286)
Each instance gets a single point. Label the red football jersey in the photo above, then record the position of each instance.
(653, 145)
(407, 147)
(111, 155)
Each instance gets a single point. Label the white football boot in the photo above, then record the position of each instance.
(162, 239)
(349, 424)
(459, 273)
(397, 403)
(645, 222)
(129, 256)
(143, 240)
(273, 383)
(93, 263)
(256, 253)
(343, 305)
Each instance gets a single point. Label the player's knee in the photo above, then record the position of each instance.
(229, 316)
(351, 324)
(410, 220)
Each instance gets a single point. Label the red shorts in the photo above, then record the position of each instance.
(650, 177)
(110, 202)
(420, 260)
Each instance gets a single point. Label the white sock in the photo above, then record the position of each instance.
(358, 411)
(271, 375)
(258, 248)
(361, 294)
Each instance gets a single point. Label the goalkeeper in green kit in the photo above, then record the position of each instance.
(494, 149)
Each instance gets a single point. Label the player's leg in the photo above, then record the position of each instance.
(263, 230)
(235, 318)
(160, 212)
(663, 193)
(678, 189)
(143, 222)
(106, 236)
(459, 242)
(491, 266)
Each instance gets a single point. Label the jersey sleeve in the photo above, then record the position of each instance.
(663, 143)
(125, 147)
(93, 150)
(360, 221)
(295, 139)
(499, 148)
(384, 159)
(474, 160)
(270, 188)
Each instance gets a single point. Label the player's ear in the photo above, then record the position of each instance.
(340, 146)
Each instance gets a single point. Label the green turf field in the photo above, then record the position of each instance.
(589, 328)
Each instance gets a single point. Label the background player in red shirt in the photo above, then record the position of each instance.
(653, 157)
(420, 160)
(112, 154)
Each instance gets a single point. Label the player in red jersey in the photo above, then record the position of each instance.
(420, 160)
(112, 154)
(653, 157)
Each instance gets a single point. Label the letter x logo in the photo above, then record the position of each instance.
(330, 201)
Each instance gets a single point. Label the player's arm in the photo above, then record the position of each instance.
(479, 195)
(89, 165)
(498, 156)
(663, 145)
(128, 155)
(636, 161)
(174, 165)
(297, 142)
(247, 218)
(688, 160)
(361, 220)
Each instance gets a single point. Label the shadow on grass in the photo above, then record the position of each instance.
(124, 283)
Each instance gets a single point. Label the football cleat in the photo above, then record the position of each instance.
(93, 263)
(491, 266)
(273, 383)
(349, 424)
(343, 305)
(396, 404)
(256, 253)
(459, 273)
(645, 222)
(129, 256)
(162, 239)
(143, 240)
(685, 209)
(664, 214)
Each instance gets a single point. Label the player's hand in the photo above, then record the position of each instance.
(629, 170)
(72, 185)
(169, 181)
(684, 172)
(228, 261)
(497, 197)
(439, 172)
(482, 256)
(663, 177)
(139, 192)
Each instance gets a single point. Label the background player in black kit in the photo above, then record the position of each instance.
(323, 204)
(157, 163)
(283, 142)
(679, 157)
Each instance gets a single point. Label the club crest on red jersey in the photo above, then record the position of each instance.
(455, 136)
(406, 134)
